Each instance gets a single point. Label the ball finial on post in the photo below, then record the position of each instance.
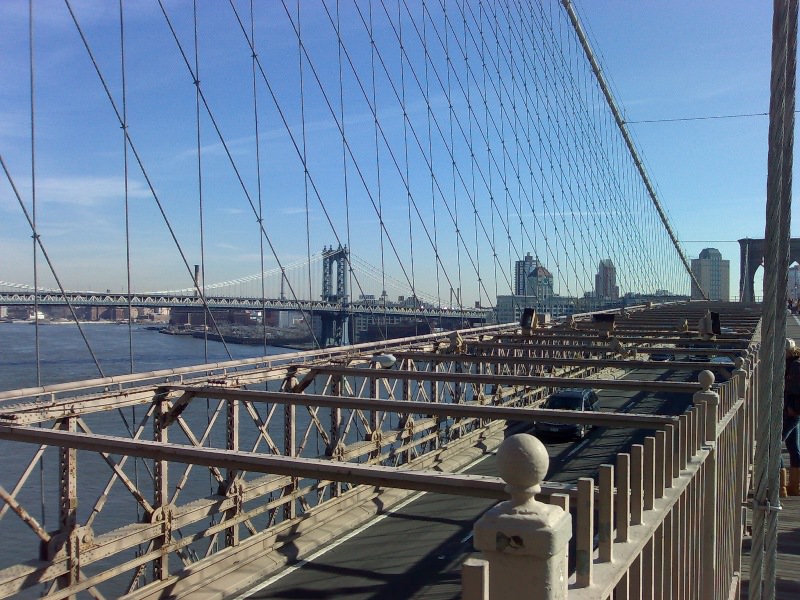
(706, 379)
(522, 462)
(710, 399)
(524, 540)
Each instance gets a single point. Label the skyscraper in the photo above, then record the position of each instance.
(713, 275)
(605, 282)
(793, 284)
(522, 269)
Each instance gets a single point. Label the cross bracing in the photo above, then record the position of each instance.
(441, 140)
(236, 455)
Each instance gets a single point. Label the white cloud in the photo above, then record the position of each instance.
(297, 210)
(233, 211)
(87, 191)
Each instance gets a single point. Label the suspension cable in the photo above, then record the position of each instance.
(139, 161)
(628, 141)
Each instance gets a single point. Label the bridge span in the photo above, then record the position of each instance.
(122, 300)
(473, 148)
(217, 476)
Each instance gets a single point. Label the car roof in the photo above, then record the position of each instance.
(571, 392)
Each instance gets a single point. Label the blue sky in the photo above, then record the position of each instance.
(665, 60)
(692, 59)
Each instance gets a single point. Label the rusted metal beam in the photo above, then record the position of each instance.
(581, 362)
(430, 481)
(245, 368)
(508, 380)
(462, 410)
(601, 346)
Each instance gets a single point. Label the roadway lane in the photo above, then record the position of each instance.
(417, 550)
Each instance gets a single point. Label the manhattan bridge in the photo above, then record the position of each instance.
(169, 150)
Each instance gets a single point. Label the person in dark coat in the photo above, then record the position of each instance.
(791, 420)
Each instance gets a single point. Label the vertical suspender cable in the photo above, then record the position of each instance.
(430, 153)
(470, 116)
(626, 136)
(379, 195)
(451, 116)
(126, 184)
(305, 164)
(351, 319)
(201, 212)
(490, 190)
(259, 191)
(405, 155)
(35, 232)
(502, 134)
(124, 126)
(35, 274)
(200, 180)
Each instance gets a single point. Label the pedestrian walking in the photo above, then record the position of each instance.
(791, 421)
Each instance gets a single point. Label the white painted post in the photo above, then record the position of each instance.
(475, 579)
(708, 430)
(524, 540)
(710, 509)
(742, 376)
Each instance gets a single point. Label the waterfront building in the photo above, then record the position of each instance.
(539, 283)
(713, 275)
(510, 308)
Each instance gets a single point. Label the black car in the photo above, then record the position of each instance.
(570, 399)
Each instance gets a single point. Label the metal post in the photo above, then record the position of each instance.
(289, 443)
(434, 394)
(406, 421)
(233, 480)
(374, 392)
(743, 463)
(161, 489)
(335, 431)
(68, 505)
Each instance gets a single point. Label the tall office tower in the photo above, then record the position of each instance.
(522, 269)
(793, 284)
(713, 275)
(605, 282)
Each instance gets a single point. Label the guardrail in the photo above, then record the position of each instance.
(665, 521)
(168, 480)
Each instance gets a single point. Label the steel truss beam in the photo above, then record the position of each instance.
(598, 363)
(509, 380)
(462, 410)
(429, 481)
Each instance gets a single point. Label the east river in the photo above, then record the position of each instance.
(64, 357)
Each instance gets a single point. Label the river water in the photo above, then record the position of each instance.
(63, 357)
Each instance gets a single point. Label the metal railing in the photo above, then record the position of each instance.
(667, 520)
(171, 479)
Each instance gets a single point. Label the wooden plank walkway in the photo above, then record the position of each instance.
(787, 585)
